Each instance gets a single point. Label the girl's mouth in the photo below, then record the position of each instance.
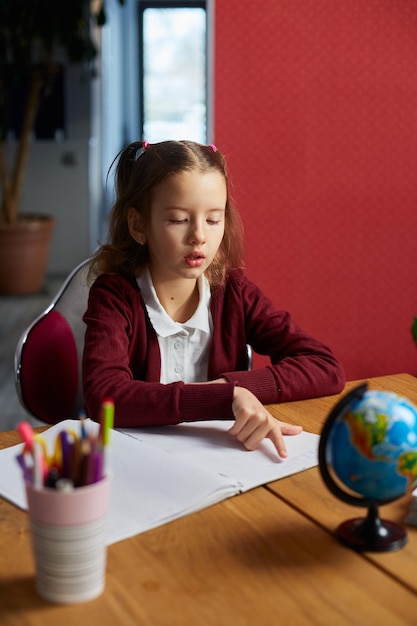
(196, 259)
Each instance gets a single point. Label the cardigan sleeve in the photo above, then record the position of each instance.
(300, 366)
(121, 360)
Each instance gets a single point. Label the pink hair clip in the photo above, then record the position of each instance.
(141, 150)
(213, 147)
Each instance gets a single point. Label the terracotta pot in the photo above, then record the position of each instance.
(24, 250)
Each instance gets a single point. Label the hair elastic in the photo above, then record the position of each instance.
(141, 150)
(213, 147)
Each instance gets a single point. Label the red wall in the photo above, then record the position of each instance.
(316, 110)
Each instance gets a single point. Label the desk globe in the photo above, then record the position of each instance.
(368, 457)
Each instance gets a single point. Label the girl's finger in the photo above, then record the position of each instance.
(290, 429)
(275, 435)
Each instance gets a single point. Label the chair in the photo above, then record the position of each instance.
(49, 352)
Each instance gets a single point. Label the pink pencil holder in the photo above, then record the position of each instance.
(68, 532)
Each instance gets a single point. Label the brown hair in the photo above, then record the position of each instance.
(141, 166)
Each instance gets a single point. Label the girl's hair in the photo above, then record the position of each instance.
(141, 166)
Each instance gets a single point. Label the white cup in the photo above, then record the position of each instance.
(69, 540)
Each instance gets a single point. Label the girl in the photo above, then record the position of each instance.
(170, 313)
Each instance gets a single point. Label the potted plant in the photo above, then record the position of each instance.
(33, 34)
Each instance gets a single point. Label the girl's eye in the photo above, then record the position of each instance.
(172, 221)
(213, 222)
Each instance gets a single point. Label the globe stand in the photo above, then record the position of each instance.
(371, 533)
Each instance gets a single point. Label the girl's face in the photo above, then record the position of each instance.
(186, 224)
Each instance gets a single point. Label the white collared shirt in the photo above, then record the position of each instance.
(184, 347)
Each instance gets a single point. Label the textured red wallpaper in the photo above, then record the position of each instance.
(316, 110)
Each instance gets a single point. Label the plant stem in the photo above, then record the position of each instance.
(12, 195)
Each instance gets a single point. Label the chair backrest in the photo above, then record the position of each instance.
(49, 352)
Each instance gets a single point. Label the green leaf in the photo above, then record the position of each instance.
(414, 330)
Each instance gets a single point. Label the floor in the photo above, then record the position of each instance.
(16, 313)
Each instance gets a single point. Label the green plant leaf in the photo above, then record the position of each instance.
(414, 330)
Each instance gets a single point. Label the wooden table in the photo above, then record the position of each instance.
(265, 558)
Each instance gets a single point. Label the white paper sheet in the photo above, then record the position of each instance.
(161, 474)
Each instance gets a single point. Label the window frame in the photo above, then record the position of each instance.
(207, 6)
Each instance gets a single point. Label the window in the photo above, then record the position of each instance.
(173, 70)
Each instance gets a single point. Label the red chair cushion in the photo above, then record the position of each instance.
(49, 369)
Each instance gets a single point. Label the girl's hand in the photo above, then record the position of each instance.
(254, 423)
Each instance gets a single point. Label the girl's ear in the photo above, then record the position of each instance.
(135, 225)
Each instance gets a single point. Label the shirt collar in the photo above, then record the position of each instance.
(161, 321)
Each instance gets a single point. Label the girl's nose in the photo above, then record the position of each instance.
(197, 234)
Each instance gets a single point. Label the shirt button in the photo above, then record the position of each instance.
(177, 345)
(178, 369)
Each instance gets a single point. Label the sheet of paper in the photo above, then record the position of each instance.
(161, 474)
(208, 444)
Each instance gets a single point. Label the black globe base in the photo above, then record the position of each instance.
(371, 533)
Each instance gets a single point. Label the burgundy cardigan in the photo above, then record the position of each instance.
(122, 359)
